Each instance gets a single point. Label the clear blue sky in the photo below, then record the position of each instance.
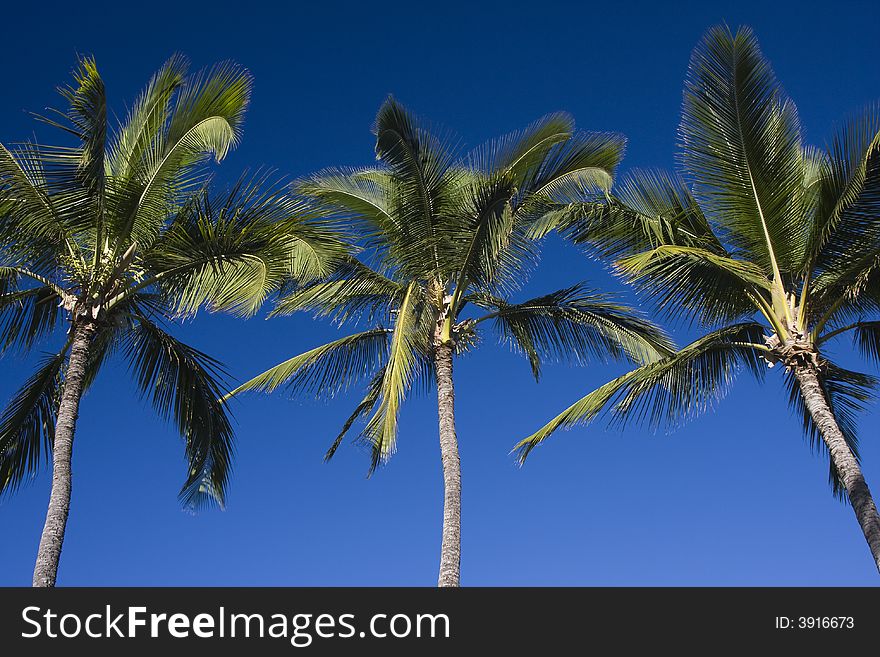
(733, 498)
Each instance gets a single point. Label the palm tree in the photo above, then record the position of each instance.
(441, 235)
(772, 244)
(113, 233)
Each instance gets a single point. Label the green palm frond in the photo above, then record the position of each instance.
(667, 391)
(574, 175)
(351, 292)
(577, 167)
(82, 168)
(649, 208)
(715, 288)
(206, 121)
(845, 260)
(224, 90)
(361, 411)
(29, 218)
(847, 200)
(424, 190)
(518, 154)
(576, 324)
(839, 296)
(741, 147)
(327, 369)
(664, 212)
(400, 369)
(27, 316)
(231, 251)
(359, 194)
(501, 204)
(491, 248)
(27, 426)
(146, 119)
(185, 386)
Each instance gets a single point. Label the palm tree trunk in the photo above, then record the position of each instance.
(49, 553)
(450, 550)
(842, 458)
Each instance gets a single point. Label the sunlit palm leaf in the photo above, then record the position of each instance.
(350, 292)
(206, 121)
(667, 391)
(681, 278)
(381, 430)
(327, 369)
(230, 252)
(518, 154)
(741, 146)
(146, 119)
(28, 210)
(577, 167)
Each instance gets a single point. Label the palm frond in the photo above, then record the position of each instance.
(231, 251)
(867, 340)
(206, 121)
(424, 190)
(27, 426)
(577, 167)
(79, 173)
(517, 154)
(360, 194)
(146, 119)
(741, 147)
(707, 287)
(847, 262)
(185, 386)
(350, 292)
(28, 218)
(361, 411)
(400, 369)
(327, 369)
(847, 197)
(27, 316)
(576, 324)
(650, 208)
(489, 246)
(667, 391)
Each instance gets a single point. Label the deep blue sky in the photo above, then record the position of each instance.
(733, 498)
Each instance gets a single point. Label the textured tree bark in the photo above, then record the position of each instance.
(49, 553)
(842, 458)
(450, 550)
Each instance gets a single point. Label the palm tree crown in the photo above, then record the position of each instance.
(772, 244)
(118, 232)
(444, 240)
(445, 235)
